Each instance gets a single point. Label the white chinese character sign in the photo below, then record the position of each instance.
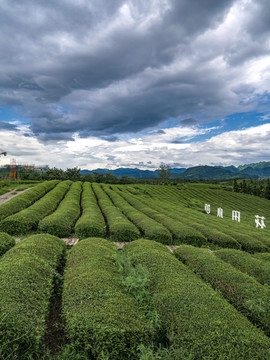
(220, 212)
(259, 221)
(236, 215)
(207, 208)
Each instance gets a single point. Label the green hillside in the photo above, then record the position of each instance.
(187, 284)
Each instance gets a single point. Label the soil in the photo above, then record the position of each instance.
(54, 336)
(119, 245)
(70, 241)
(7, 196)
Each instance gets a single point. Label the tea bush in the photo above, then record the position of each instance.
(121, 229)
(26, 285)
(199, 322)
(61, 222)
(91, 223)
(242, 290)
(28, 219)
(151, 229)
(246, 263)
(26, 199)
(101, 317)
(6, 242)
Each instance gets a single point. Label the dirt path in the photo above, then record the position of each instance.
(7, 196)
(70, 241)
(121, 244)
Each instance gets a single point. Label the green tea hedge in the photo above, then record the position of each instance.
(6, 242)
(247, 241)
(246, 263)
(61, 222)
(262, 256)
(242, 290)
(91, 223)
(181, 233)
(199, 322)
(28, 219)
(151, 229)
(26, 199)
(121, 229)
(101, 318)
(26, 285)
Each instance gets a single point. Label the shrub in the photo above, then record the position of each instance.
(151, 229)
(26, 285)
(24, 200)
(199, 322)
(181, 232)
(6, 242)
(262, 256)
(61, 222)
(101, 318)
(246, 263)
(243, 291)
(248, 243)
(217, 237)
(121, 229)
(91, 223)
(28, 219)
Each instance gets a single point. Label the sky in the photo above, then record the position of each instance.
(134, 83)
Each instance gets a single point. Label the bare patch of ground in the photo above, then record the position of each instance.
(9, 195)
(172, 247)
(70, 241)
(211, 251)
(119, 245)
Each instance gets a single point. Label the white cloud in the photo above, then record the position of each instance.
(229, 148)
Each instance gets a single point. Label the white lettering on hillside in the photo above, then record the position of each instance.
(258, 222)
(207, 208)
(220, 212)
(236, 215)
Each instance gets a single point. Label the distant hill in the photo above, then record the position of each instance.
(136, 173)
(259, 169)
(211, 172)
(253, 171)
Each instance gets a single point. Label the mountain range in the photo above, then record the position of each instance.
(254, 171)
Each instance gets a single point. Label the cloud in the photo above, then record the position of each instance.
(7, 126)
(104, 68)
(229, 148)
(189, 122)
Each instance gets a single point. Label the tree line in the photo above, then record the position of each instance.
(253, 187)
(74, 174)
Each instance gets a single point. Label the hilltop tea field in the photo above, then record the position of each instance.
(157, 272)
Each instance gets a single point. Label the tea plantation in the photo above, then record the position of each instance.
(190, 282)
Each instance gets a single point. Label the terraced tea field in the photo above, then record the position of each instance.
(208, 299)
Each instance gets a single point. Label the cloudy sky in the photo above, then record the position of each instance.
(135, 83)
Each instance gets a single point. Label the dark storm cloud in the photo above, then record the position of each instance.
(158, 132)
(189, 122)
(105, 67)
(7, 126)
(178, 141)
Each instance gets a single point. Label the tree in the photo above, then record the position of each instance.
(267, 190)
(55, 174)
(88, 177)
(235, 186)
(110, 178)
(73, 174)
(164, 173)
